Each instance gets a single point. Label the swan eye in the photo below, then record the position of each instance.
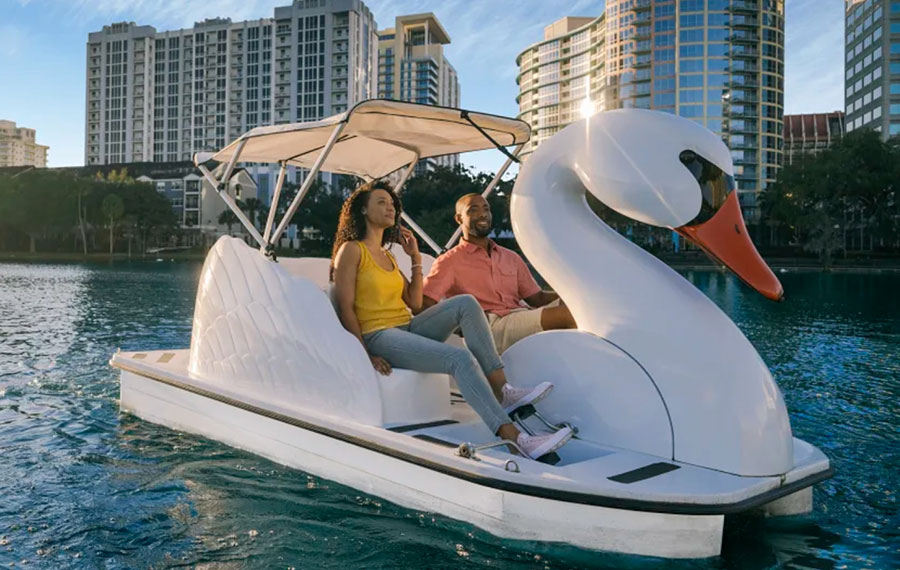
(715, 185)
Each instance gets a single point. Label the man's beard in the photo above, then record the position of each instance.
(475, 231)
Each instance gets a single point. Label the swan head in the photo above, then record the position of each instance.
(668, 171)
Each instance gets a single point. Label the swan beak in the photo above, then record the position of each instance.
(724, 238)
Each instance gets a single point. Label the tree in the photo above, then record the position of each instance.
(845, 195)
(252, 206)
(228, 217)
(113, 208)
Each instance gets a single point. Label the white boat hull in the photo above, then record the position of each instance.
(502, 513)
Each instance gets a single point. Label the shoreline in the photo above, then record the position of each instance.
(782, 265)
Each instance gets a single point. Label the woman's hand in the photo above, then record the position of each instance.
(410, 244)
(381, 365)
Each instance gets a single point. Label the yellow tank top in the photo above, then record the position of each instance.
(379, 295)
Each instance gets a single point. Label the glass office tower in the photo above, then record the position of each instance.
(717, 62)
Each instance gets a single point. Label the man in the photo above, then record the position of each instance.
(497, 277)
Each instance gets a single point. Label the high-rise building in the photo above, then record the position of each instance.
(412, 67)
(872, 66)
(717, 62)
(18, 147)
(811, 133)
(162, 96)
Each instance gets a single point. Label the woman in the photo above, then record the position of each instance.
(374, 303)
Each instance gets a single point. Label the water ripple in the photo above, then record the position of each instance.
(85, 487)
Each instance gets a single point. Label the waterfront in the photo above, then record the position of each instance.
(86, 487)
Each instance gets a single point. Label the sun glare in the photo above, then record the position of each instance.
(587, 108)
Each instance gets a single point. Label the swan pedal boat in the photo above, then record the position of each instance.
(679, 422)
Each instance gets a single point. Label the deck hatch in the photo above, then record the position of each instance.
(437, 441)
(414, 427)
(642, 473)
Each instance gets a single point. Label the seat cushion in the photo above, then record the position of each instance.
(410, 397)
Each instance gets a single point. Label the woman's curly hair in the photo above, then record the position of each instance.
(352, 222)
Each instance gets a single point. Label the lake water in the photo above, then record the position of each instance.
(85, 487)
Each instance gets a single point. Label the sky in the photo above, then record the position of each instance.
(42, 53)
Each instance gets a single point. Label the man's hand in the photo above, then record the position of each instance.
(541, 298)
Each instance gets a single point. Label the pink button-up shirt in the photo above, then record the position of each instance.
(498, 281)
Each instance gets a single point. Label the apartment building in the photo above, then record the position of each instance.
(811, 133)
(872, 66)
(412, 67)
(165, 95)
(18, 147)
(717, 62)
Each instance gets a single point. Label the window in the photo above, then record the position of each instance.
(688, 36)
(690, 110)
(691, 50)
(691, 96)
(691, 80)
(689, 65)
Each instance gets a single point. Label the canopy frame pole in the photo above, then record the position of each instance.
(406, 217)
(220, 188)
(418, 229)
(488, 190)
(273, 205)
(405, 176)
(307, 184)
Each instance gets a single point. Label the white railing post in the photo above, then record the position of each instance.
(273, 203)
(307, 184)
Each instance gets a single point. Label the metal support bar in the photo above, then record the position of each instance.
(470, 450)
(307, 184)
(416, 228)
(273, 206)
(405, 176)
(229, 201)
(406, 218)
(465, 115)
(233, 161)
(487, 191)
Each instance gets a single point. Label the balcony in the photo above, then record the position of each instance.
(743, 53)
(744, 22)
(743, 36)
(740, 6)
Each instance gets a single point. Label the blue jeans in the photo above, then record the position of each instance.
(420, 346)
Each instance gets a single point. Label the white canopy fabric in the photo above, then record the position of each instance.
(379, 137)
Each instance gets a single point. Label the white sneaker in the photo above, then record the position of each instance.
(514, 398)
(535, 446)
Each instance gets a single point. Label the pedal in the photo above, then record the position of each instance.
(549, 458)
(519, 421)
(555, 427)
(523, 412)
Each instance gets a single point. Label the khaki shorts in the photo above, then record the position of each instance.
(516, 325)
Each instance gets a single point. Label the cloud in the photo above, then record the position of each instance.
(814, 56)
(162, 14)
(12, 41)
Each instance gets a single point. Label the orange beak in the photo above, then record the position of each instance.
(724, 238)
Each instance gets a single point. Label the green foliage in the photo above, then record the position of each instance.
(50, 208)
(846, 194)
(430, 198)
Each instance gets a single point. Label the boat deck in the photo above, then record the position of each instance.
(587, 472)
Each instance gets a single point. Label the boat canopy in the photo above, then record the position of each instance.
(373, 139)
(379, 137)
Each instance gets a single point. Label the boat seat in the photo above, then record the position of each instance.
(407, 397)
